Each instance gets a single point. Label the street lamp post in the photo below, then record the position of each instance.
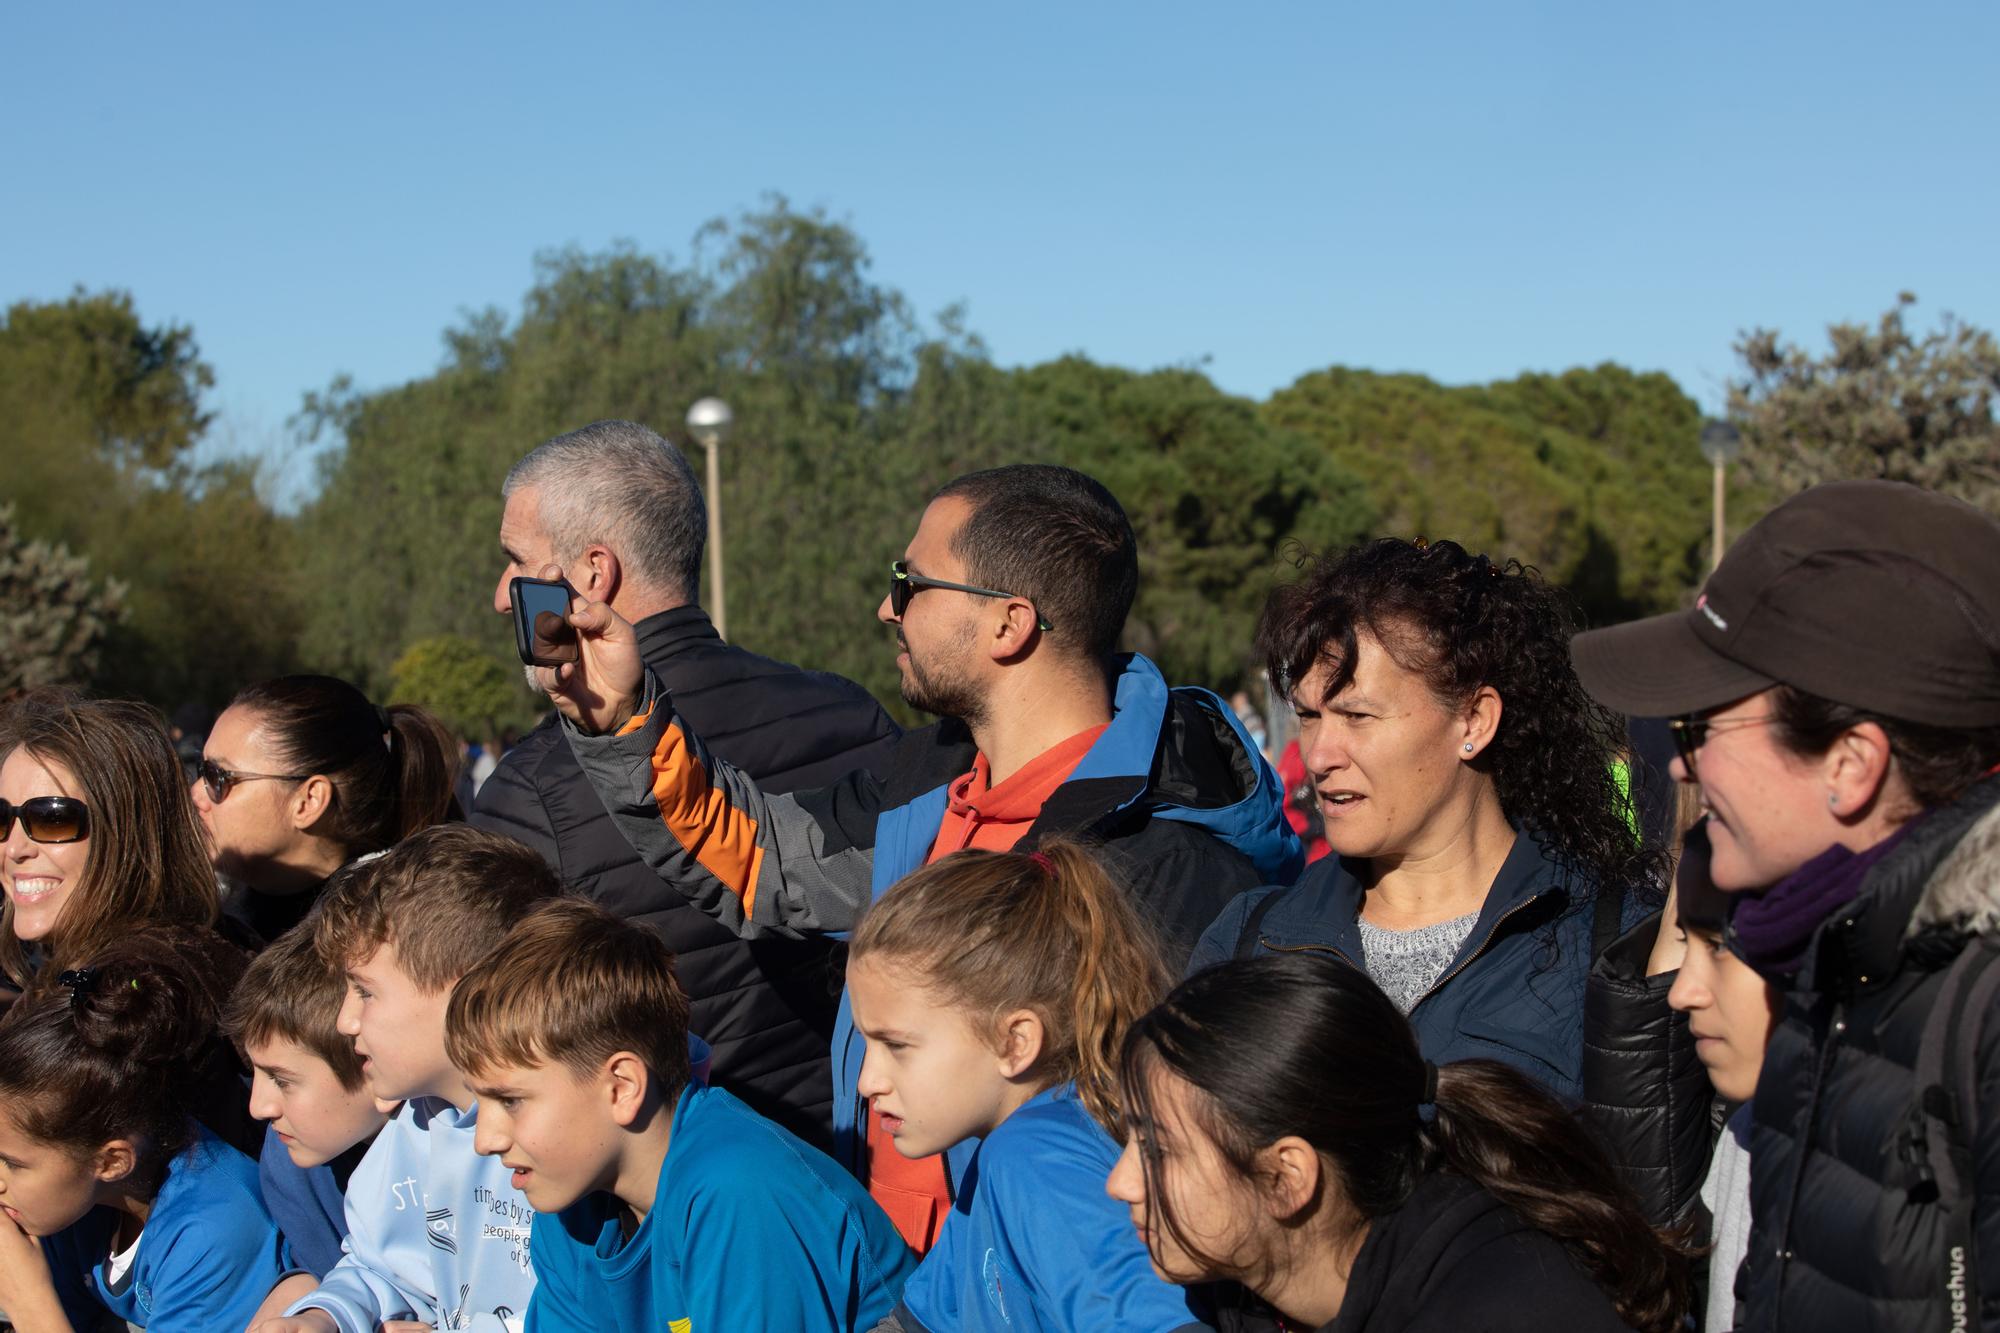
(708, 421)
(1721, 443)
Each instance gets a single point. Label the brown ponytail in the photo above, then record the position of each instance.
(1049, 931)
(1301, 1044)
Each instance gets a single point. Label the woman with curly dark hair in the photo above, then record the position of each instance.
(1467, 783)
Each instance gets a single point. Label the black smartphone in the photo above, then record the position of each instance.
(542, 632)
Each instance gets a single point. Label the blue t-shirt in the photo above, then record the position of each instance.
(207, 1258)
(750, 1229)
(1033, 1244)
(307, 1203)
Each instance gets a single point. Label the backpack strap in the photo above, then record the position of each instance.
(1246, 939)
(1607, 921)
(1943, 1122)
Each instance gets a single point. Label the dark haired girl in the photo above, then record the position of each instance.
(114, 1197)
(301, 775)
(1468, 790)
(1287, 1135)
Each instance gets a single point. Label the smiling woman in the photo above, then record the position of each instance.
(96, 833)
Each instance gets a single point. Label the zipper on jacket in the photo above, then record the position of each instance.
(1484, 944)
(1836, 1027)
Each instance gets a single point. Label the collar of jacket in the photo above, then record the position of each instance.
(1403, 1267)
(665, 633)
(1328, 902)
(1940, 879)
(1174, 753)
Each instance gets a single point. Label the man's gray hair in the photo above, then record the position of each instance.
(618, 484)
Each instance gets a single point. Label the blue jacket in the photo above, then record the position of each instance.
(208, 1256)
(750, 1229)
(1514, 992)
(1033, 1244)
(1183, 805)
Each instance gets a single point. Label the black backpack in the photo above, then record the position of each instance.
(1943, 1121)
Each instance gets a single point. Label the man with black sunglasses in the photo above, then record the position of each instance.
(1007, 607)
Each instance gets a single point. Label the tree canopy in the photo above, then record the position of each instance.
(850, 413)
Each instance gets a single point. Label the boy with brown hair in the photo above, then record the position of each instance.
(652, 1192)
(306, 1086)
(436, 1235)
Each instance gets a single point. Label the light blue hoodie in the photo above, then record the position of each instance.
(435, 1232)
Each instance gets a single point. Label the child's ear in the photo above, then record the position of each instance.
(114, 1161)
(625, 1080)
(1022, 1036)
(1292, 1176)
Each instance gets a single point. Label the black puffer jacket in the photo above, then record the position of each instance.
(766, 1006)
(1843, 1235)
(1645, 1092)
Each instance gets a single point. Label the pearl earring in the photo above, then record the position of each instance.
(1468, 747)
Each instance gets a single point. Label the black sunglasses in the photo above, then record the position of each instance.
(903, 585)
(1690, 733)
(46, 819)
(219, 780)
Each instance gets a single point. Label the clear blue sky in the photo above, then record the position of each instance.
(1467, 190)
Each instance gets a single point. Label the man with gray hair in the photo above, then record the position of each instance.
(618, 511)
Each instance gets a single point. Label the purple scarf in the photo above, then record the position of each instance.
(1772, 929)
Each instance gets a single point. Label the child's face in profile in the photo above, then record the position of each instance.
(43, 1188)
(299, 1094)
(930, 1076)
(398, 1028)
(1730, 1010)
(554, 1130)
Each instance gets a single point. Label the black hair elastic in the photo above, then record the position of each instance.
(1427, 1107)
(79, 982)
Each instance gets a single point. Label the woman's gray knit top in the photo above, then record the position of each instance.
(1407, 963)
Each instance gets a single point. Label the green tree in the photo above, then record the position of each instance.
(53, 616)
(1880, 402)
(461, 682)
(100, 415)
(1592, 476)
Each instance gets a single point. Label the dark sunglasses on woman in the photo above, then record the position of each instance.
(219, 780)
(46, 819)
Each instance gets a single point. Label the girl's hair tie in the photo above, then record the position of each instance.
(1042, 863)
(79, 982)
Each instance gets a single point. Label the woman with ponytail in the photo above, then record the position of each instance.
(303, 774)
(1286, 1135)
(115, 1197)
(993, 990)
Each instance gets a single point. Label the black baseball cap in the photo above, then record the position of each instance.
(1875, 594)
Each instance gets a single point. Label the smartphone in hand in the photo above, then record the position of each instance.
(542, 632)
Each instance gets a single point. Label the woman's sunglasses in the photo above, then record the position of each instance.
(219, 780)
(46, 819)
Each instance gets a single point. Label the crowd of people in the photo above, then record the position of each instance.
(730, 1005)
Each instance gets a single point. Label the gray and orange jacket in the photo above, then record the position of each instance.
(1177, 798)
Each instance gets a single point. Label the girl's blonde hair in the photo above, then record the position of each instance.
(1049, 931)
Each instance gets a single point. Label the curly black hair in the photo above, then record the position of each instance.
(1463, 621)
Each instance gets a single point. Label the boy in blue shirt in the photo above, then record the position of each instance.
(306, 1086)
(659, 1203)
(436, 1235)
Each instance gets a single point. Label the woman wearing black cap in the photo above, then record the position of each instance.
(1836, 694)
(301, 775)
